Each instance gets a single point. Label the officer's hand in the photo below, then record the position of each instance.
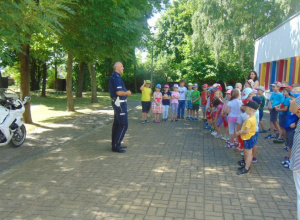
(128, 93)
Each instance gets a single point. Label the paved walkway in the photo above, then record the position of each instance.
(48, 137)
(170, 171)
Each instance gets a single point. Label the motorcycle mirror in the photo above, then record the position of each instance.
(27, 99)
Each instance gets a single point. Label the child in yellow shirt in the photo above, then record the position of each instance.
(247, 133)
(146, 100)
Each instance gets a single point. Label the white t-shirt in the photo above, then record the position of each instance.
(257, 120)
(181, 91)
(208, 102)
(235, 108)
(242, 118)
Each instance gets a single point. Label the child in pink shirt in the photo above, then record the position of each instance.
(174, 103)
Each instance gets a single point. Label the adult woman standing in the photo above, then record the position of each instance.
(252, 81)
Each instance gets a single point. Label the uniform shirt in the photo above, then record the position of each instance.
(189, 95)
(195, 95)
(251, 124)
(146, 94)
(182, 91)
(286, 102)
(116, 84)
(276, 99)
(166, 101)
(263, 102)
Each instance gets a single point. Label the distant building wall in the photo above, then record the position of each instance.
(277, 54)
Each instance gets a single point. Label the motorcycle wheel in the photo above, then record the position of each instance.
(18, 138)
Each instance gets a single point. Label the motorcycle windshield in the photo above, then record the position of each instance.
(3, 114)
(8, 94)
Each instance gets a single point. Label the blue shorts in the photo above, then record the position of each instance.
(273, 115)
(261, 114)
(282, 119)
(256, 138)
(249, 144)
(290, 138)
(189, 104)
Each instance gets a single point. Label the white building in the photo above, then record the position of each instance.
(277, 54)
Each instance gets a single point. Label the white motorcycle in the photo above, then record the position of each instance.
(12, 128)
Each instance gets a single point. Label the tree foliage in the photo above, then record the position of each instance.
(89, 31)
(213, 40)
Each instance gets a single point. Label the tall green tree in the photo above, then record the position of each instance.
(19, 21)
(213, 40)
(229, 28)
(111, 29)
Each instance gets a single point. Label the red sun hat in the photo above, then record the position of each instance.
(219, 87)
(283, 87)
(245, 101)
(205, 85)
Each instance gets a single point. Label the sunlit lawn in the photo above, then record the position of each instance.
(53, 108)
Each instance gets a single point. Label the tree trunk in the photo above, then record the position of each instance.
(43, 94)
(93, 83)
(55, 74)
(134, 72)
(1, 80)
(80, 80)
(33, 76)
(25, 80)
(69, 83)
(39, 69)
(152, 66)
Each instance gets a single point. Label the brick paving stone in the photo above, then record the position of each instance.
(172, 170)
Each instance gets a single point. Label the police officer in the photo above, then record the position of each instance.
(118, 94)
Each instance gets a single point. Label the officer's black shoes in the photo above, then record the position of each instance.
(123, 146)
(119, 150)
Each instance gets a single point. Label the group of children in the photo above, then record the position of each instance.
(237, 118)
(179, 98)
(239, 110)
(279, 106)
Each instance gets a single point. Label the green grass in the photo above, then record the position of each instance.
(53, 108)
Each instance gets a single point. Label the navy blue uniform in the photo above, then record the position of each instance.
(120, 124)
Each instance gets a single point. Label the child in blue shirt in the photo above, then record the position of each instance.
(275, 100)
(290, 126)
(283, 110)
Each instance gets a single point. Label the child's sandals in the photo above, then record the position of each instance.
(230, 145)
